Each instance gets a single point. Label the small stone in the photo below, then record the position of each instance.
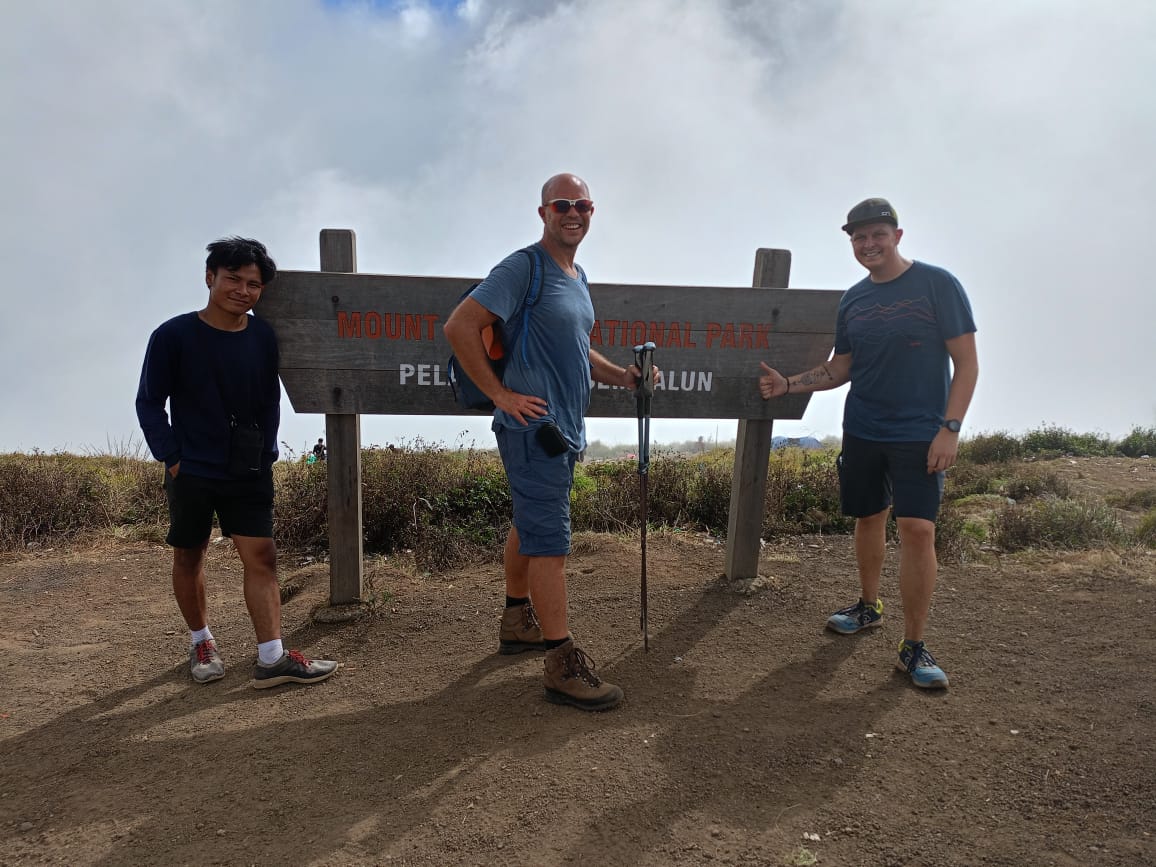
(26, 826)
(220, 832)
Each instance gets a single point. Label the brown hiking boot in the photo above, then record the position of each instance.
(570, 679)
(520, 630)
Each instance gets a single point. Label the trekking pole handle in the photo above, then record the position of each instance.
(644, 359)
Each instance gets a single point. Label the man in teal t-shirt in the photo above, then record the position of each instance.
(539, 421)
(905, 340)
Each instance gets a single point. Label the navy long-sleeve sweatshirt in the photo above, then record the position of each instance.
(208, 376)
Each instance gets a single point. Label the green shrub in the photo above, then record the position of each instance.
(1136, 501)
(956, 537)
(1052, 441)
(993, 448)
(803, 493)
(1146, 532)
(1032, 482)
(967, 479)
(1053, 523)
(1141, 441)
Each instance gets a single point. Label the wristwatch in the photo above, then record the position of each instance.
(953, 425)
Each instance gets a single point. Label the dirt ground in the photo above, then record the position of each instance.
(749, 735)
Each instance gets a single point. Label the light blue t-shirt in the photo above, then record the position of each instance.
(554, 362)
(900, 366)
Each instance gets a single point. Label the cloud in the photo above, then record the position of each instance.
(1015, 140)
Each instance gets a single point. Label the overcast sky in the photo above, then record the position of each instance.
(1017, 140)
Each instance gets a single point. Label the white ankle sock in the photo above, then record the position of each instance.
(269, 652)
(196, 637)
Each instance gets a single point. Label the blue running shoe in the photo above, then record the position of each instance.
(916, 660)
(857, 617)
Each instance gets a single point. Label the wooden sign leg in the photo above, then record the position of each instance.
(753, 451)
(343, 438)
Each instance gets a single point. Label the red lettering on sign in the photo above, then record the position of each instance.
(637, 332)
(746, 335)
(761, 335)
(373, 324)
(348, 324)
(728, 336)
(393, 322)
(713, 332)
(657, 334)
(412, 326)
(596, 334)
(611, 324)
(686, 338)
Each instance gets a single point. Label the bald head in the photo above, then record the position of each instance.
(566, 182)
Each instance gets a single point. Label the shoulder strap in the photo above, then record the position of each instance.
(533, 291)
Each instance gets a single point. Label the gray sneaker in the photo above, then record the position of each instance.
(292, 667)
(205, 663)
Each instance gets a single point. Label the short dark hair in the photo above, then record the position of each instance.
(233, 253)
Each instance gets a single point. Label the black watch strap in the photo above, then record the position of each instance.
(953, 425)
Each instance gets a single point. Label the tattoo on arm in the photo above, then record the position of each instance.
(816, 376)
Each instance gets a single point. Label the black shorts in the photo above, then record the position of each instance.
(875, 475)
(244, 507)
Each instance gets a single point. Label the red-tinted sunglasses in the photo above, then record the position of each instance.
(563, 206)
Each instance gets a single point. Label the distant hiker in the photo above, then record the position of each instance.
(539, 422)
(319, 449)
(217, 369)
(896, 331)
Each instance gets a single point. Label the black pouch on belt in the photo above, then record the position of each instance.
(552, 440)
(246, 445)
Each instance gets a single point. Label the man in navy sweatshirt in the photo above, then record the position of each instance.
(217, 369)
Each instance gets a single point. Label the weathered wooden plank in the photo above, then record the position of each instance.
(343, 438)
(324, 296)
(373, 355)
(422, 390)
(753, 442)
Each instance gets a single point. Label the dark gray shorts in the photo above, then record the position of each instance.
(244, 507)
(874, 475)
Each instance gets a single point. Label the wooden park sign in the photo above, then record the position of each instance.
(353, 344)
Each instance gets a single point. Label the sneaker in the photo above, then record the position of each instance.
(570, 679)
(520, 630)
(916, 660)
(857, 617)
(292, 667)
(205, 663)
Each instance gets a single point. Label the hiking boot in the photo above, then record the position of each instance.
(570, 679)
(857, 617)
(292, 667)
(520, 630)
(205, 663)
(916, 660)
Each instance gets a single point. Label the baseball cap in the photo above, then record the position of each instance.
(871, 211)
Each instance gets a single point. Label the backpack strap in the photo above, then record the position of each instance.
(533, 292)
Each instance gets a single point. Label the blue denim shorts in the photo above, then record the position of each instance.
(540, 488)
(875, 475)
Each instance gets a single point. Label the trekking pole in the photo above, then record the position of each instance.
(644, 358)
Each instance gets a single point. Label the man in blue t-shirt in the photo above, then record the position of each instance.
(539, 421)
(217, 370)
(896, 332)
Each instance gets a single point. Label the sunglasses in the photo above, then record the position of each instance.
(563, 206)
